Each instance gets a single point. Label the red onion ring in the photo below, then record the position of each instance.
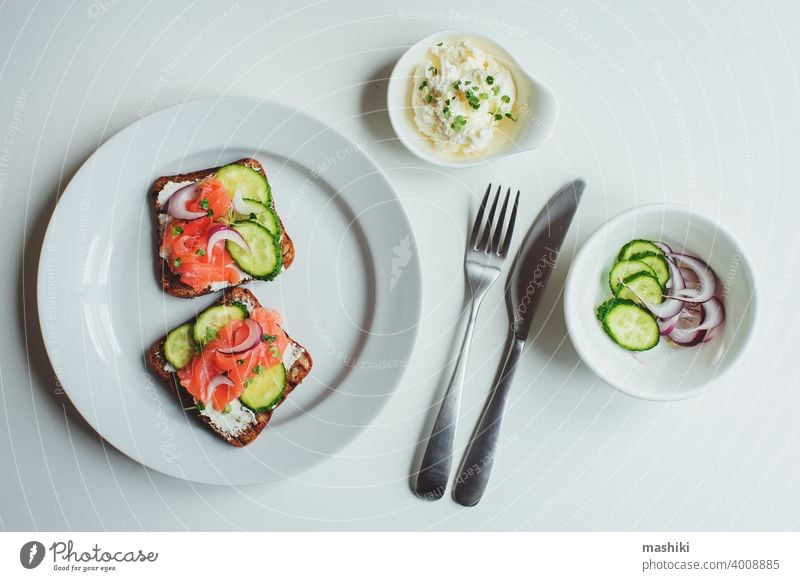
(666, 310)
(706, 277)
(686, 338)
(711, 333)
(667, 325)
(712, 315)
(685, 333)
(177, 203)
(213, 384)
(690, 279)
(254, 334)
(676, 281)
(664, 247)
(219, 233)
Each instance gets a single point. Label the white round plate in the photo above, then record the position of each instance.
(352, 296)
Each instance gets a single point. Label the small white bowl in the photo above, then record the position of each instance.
(537, 107)
(666, 372)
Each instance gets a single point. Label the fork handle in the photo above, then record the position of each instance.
(479, 457)
(438, 459)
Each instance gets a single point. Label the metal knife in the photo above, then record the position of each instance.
(532, 268)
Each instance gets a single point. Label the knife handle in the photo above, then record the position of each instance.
(473, 476)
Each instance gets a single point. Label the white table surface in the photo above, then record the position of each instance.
(697, 103)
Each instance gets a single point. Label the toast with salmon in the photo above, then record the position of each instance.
(217, 228)
(231, 366)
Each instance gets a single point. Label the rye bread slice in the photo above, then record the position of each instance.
(171, 282)
(295, 373)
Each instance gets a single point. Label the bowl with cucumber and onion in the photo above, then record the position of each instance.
(660, 302)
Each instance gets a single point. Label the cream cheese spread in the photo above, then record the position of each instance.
(461, 96)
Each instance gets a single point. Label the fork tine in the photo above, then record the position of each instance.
(487, 230)
(501, 220)
(473, 238)
(510, 231)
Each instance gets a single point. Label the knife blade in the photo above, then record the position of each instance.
(537, 256)
(532, 267)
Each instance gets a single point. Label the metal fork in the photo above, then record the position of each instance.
(483, 261)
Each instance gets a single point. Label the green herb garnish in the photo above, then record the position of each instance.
(422, 85)
(200, 252)
(505, 99)
(201, 406)
(473, 100)
(176, 262)
(429, 98)
(269, 338)
(496, 90)
(439, 44)
(458, 123)
(177, 230)
(258, 369)
(240, 362)
(227, 409)
(457, 84)
(274, 352)
(204, 203)
(490, 80)
(433, 70)
(510, 116)
(497, 117)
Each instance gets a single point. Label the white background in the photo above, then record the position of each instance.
(697, 104)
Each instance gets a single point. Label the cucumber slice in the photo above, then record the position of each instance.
(625, 268)
(629, 325)
(210, 321)
(644, 285)
(263, 259)
(240, 177)
(180, 347)
(657, 262)
(264, 390)
(264, 215)
(603, 309)
(638, 247)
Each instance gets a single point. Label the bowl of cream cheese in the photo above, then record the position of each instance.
(458, 99)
